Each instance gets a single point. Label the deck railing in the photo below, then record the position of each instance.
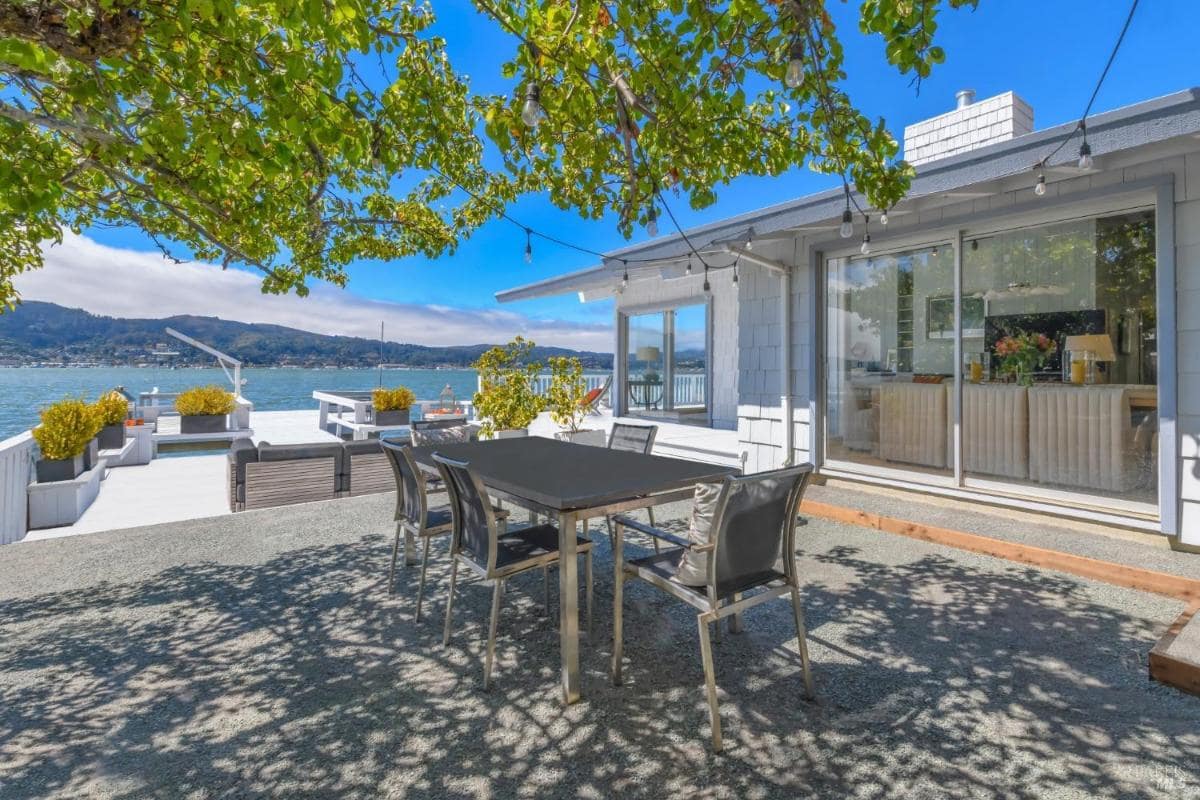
(690, 388)
(16, 472)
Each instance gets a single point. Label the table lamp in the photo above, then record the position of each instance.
(649, 356)
(1092, 347)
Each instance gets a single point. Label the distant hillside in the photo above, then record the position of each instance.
(51, 334)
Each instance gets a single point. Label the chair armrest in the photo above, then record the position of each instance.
(658, 533)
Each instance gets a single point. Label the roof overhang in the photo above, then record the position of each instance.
(943, 182)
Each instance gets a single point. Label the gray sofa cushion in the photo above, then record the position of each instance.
(448, 435)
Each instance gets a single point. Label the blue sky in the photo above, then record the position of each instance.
(1049, 52)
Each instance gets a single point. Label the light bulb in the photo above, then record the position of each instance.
(528, 253)
(533, 113)
(847, 228)
(795, 73)
(688, 271)
(1085, 156)
(883, 218)
(866, 245)
(749, 243)
(735, 276)
(707, 286)
(625, 279)
(1040, 187)
(652, 223)
(794, 76)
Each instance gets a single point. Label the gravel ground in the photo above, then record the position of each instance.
(259, 655)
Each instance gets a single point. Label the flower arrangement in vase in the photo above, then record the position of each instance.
(1023, 353)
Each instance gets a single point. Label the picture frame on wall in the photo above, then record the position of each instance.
(939, 316)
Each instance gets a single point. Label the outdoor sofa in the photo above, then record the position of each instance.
(267, 475)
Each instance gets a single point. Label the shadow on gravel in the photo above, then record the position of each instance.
(301, 677)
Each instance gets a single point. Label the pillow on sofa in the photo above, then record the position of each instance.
(451, 435)
(692, 569)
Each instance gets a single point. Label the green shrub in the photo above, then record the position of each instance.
(204, 401)
(506, 398)
(400, 398)
(111, 409)
(67, 427)
(564, 398)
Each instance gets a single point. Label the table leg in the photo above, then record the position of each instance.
(568, 606)
(618, 551)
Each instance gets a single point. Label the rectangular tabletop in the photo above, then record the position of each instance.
(565, 476)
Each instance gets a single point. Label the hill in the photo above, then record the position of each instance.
(45, 333)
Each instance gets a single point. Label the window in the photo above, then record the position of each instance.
(666, 364)
(1056, 344)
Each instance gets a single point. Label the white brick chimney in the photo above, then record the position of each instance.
(969, 126)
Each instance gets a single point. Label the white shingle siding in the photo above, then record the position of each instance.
(985, 122)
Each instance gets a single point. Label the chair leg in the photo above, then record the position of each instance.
(587, 567)
(735, 621)
(450, 598)
(421, 585)
(608, 522)
(618, 611)
(654, 539)
(710, 681)
(497, 591)
(392, 571)
(802, 638)
(408, 547)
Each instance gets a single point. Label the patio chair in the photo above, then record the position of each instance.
(414, 516)
(480, 544)
(590, 402)
(634, 439)
(751, 538)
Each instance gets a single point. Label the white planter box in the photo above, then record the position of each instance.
(63, 502)
(594, 438)
(510, 433)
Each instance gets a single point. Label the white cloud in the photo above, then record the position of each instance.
(81, 273)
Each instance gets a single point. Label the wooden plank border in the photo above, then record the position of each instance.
(1183, 675)
(1145, 580)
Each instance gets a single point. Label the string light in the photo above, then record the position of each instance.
(847, 228)
(794, 76)
(707, 285)
(533, 113)
(1039, 188)
(528, 246)
(688, 271)
(883, 218)
(652, 222)
(1085, 150)
(625, 277)
(866, 242)
(735, 270)
(750, 240)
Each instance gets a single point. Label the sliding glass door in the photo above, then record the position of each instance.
(1035, 376)
(666, 363)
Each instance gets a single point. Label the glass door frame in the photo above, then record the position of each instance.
(621, 361)
(1156, 194)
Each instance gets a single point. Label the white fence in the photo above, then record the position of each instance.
(16, 472)
(689, 388)
(541, 384)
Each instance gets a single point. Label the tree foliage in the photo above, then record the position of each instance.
(295, 136)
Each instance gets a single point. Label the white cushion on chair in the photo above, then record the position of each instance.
(451, 435)
(693, 567)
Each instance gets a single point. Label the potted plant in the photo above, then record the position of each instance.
(1021, 354)
(66, 429)
(204, 409)
(392, 406)
(111, 410)
(507, 401)
(565, 401)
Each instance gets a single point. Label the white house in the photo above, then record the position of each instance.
(894, 365)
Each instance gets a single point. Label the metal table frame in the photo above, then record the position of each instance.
(568, 581)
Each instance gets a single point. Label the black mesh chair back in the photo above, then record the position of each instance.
(475, 529)
(754, 528)
(411, 502)
(632, 438)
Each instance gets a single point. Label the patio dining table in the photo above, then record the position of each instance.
(574, 483)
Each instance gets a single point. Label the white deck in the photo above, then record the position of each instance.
(183, 487)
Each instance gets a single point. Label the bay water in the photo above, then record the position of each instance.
(24, 391)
